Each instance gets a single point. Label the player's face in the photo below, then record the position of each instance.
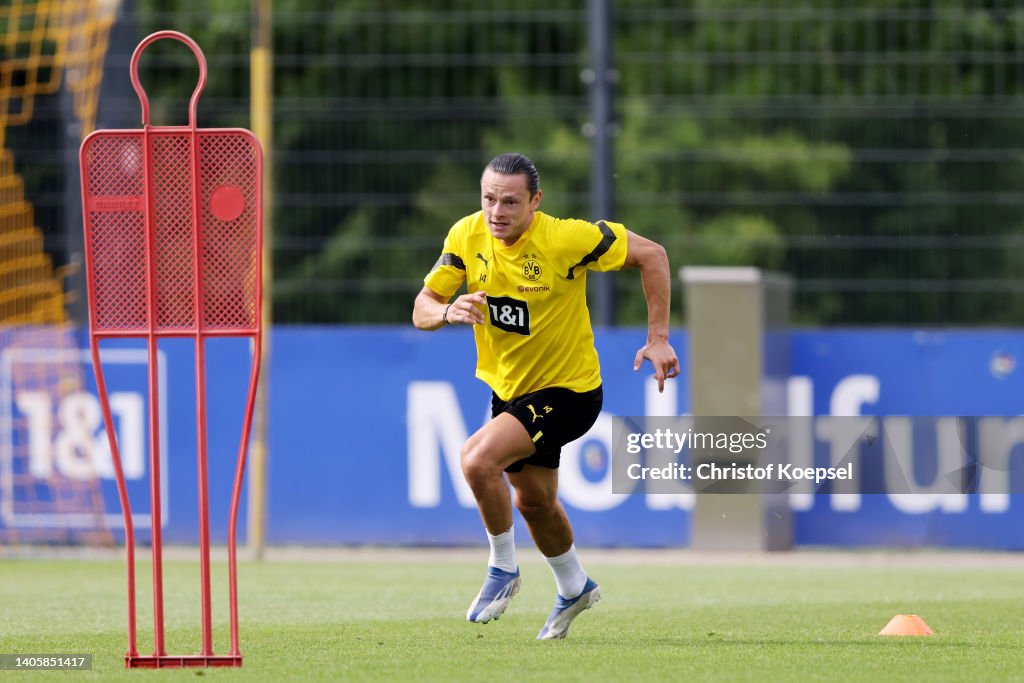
(507, 205)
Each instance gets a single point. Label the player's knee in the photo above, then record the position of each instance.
(535, 506)
(477, 467)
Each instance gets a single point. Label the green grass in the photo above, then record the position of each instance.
(404, 621)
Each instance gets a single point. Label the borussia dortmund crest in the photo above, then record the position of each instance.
(531, 270)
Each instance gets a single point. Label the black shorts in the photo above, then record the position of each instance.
(553, 417)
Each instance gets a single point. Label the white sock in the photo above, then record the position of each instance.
(569, 574)
(503, 550)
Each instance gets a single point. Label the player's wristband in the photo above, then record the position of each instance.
(444, 316)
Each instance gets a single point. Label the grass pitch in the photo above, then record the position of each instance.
(400, 617)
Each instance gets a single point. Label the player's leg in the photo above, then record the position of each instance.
(485, 455)
(495, 446)
(537, 500)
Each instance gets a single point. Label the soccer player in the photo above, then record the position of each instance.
(526, 280)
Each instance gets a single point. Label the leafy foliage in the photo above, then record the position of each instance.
(854, 147)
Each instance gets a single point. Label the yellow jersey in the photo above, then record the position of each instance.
(536, 332)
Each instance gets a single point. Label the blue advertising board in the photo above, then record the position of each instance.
(366, 425)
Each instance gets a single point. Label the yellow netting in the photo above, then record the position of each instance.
(43, 39)
(44, 43)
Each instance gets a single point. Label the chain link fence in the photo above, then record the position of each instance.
(874, 150)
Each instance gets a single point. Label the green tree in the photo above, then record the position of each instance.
(870, 150)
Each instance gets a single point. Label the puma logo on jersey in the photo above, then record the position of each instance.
(481, 257)
(547, 409)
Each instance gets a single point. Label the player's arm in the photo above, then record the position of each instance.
(432, 311)
(652, 261)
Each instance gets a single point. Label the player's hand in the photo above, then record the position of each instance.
(663, 358)
(466, 309)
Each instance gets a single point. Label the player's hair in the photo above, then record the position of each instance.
(512, 163)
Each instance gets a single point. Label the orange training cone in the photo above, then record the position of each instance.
(906, 625)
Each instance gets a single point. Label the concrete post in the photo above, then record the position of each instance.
(738, 366)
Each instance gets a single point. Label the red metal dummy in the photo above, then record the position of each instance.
(173, 239)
